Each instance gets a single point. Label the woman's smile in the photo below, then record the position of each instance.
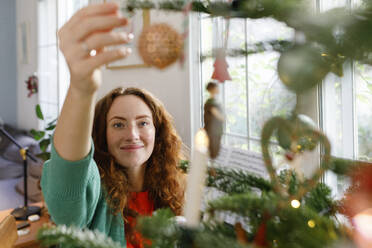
(132, 147)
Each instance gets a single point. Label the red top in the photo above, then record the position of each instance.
(140, 203)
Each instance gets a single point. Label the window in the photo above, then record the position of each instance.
(346, 117)
(255, 93)
(52, 70)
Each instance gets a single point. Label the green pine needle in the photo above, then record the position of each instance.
(73, 237)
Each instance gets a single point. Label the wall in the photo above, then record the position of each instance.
(171, 86)
(8, 64)
(26, 12)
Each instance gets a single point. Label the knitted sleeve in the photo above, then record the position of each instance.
(71, 189)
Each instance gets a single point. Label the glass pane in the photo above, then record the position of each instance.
(363, 103)
(236, 142)
(47, 23)
(206, 46)
(50, 111)
(276, 152)
(330, 4)
(236, 98)
(267, 29)
(267, 95)
(67, 8)
(332, 113)
(48, 74)
(236, 89)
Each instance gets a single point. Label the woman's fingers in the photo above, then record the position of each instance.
(105, 57)
(92, 28)
(96, 24)
(97, 42)
(94, 9)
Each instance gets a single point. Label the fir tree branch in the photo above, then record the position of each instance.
(259, 47)
(247, 205)
(73, 237)
(161, 228)
(235, 181)
(280, 10)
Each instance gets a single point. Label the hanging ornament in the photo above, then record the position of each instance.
(302, 67)
(32, 85)
(221, 74)
(241, 235)
(299, 145)
(292, 139)
(357, 204)
(260, 237)
(359, 196)
(160, 45)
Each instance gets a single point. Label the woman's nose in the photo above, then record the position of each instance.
(131, 132)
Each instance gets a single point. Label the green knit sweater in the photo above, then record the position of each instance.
(74, 196)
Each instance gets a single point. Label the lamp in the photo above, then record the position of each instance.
(23, 212)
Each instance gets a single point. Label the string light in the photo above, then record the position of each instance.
(311, 223)
(295, 203)
(362, 222)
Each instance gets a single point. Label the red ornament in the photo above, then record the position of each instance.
(220, 65)
(357, 204)
(359, 196)
(32, 85)
(289, 156)
(260, 237)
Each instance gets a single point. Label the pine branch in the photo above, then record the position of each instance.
(235, 181)
(320, 200)
(216, 239)
(161, 228)
(73, 237)
(342, 166)
(248, 205)
(302, 227)
(281, 9)
(259, 47)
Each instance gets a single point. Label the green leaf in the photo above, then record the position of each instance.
(44, 144)
(52, 122)
(51, 127)
(39, 114)
(44, 156)
(37, 135)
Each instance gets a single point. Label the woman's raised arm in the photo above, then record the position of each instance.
(90, 28)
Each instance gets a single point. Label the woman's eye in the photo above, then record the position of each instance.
(118, 125)
(144, 123)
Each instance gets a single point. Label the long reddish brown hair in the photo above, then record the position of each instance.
(163, 180)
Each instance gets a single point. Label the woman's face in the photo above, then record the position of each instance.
(130, 131)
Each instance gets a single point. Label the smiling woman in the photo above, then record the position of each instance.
(131, 167)
(135, 133)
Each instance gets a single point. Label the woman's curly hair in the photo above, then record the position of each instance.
(163, 179)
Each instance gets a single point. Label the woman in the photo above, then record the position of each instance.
(132, 167)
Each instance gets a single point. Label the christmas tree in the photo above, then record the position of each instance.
(287, 210)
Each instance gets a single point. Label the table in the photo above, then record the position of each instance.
(29, 240)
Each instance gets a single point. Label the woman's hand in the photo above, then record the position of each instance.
(91, 28)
